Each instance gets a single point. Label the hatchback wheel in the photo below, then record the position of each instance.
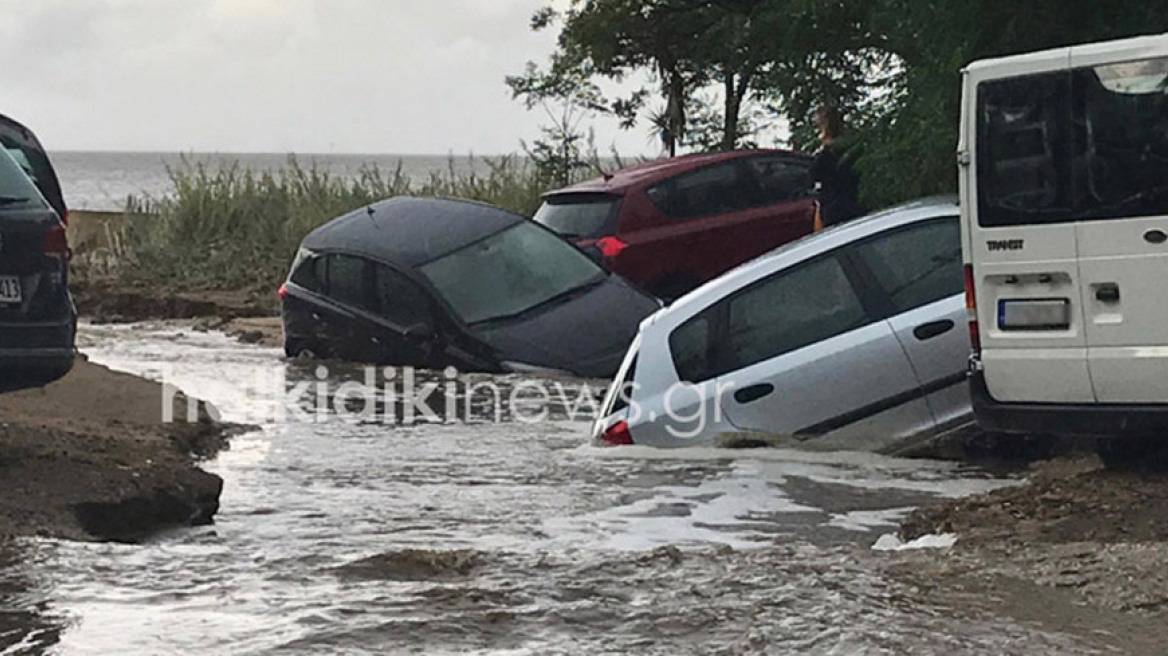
(1143, 453)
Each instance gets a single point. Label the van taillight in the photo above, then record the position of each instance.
(971, 308)
(617, 435)
(55, 242)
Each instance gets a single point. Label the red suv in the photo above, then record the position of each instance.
(672, 224)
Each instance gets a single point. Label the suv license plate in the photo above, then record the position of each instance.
(9, 289)
(1034, 314)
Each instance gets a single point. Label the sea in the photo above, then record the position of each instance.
(94, 180)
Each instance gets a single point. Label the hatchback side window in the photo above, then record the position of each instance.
(792, 309)
(347, 281)
(310, 271)
(917, 265)
(399, 299)
(719, 188)
(780, 179)
(690, 344)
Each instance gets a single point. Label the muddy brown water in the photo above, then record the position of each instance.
(373, 534)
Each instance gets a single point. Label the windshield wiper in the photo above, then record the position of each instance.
(551, 300)
(11, 200)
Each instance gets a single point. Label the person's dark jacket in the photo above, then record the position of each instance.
(839, 185)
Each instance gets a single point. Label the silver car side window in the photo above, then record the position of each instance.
(917, 265)
(794, 309)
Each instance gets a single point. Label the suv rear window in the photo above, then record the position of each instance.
(578, 216)
(16, 189)
(1089, 143)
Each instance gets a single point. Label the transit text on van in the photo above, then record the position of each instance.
(1004, 244)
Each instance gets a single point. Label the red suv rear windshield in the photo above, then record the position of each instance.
(579, 216)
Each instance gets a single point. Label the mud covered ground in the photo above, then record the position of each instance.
(88, 457)
(1079, 548)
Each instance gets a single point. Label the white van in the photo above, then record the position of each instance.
(1064, 204)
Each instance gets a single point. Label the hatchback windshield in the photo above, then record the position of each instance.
(16, 190)
(510, 272)
(577, 216)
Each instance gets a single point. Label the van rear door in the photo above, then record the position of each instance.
(1123, 241)
(1022, 241)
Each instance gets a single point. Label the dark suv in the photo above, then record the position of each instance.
(671, 224)
(37, 319)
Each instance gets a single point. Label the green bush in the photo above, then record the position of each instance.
(232, 228)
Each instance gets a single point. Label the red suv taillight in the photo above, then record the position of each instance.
(282, 291)
(610, 246)
(617, 435)
(971, 307)
(55, 242)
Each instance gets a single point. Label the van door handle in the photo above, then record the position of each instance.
(932, 329)
(1107, 293)
(753, 393)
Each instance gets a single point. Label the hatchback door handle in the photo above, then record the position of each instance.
(932, 329)
(753, 393)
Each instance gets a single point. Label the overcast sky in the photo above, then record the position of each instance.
(345, 76)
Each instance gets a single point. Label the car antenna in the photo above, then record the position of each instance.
(369, 213)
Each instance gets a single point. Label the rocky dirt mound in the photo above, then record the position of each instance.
(89, 457)
(1067, 499)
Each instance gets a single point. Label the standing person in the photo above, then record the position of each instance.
(835, 178)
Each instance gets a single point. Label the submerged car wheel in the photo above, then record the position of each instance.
(301, 350)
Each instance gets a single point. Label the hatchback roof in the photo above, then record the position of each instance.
(411, 231)
(809, 246)
(618, 181)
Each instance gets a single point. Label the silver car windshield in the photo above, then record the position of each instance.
(509, 273)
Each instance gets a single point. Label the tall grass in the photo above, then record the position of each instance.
(231, 228)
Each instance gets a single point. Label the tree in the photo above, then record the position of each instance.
(684, 45)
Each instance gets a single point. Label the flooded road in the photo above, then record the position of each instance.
(344, 535)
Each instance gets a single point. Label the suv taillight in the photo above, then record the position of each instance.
(282, 291)
(971, 307)
(610, 247)
(55, 242)
(617, 435)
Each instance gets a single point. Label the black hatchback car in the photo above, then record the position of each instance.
(432, 283)
(37, 318)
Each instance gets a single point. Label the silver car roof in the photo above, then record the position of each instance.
(802, 249)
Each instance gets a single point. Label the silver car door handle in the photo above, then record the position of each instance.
(932, 329)
(753, 393)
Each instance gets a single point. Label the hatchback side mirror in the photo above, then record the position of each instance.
(594, 254)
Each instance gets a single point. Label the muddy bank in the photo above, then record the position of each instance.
(89, 458)
(107, 302)
(252, 317)
(1079, 548)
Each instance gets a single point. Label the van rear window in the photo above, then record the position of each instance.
(1089, 143)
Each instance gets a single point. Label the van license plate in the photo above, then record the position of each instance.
(9, 289)
(1034, 314)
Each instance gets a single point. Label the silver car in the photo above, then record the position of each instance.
(853, 338)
